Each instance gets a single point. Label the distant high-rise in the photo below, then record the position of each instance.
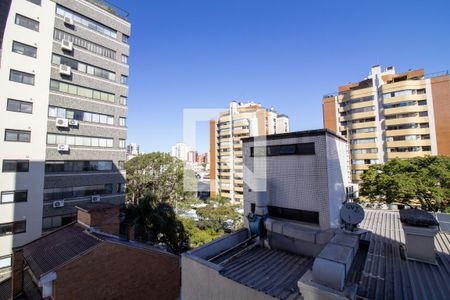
(132, 151)
(180, 151)
(240, 121)
(389, 114)
(64, 86)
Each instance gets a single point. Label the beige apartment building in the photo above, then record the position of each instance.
(390, 115)
(241, 120)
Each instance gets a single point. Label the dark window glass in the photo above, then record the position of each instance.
(125, 38)
(292, 149)
(21, 77)
(294, 214)
(13, 228)
(13, 197)
(24, 49)
(15, 166)
(19, 106)
(422, 102)
(27, 22)
(78, 166)
(17, 135)
(37, 2)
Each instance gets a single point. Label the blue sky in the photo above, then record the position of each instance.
(281, 53)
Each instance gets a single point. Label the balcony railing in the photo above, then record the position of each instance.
(111, 8)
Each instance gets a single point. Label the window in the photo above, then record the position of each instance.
(85, 21)
(19, 106)
(27, 22)
(86, 141)
(79, 191)
(5, 261)
(124, 59)
(291, 214)
(24, 49)
(12, 135)
(37, 2)
(21, 77)
(364, 161)
(364, 151)
(13, 228)
(363, 130)
(15, 166)
(122, 143)
(125, 38)
(422, 102)
(123, 79)
(293, 149)
(364, 141)
(60, 35)
(123, 122)
(63, 87)
(59, 112)
(82, 67)
(13, 197)
(123, 100)
(61, 166)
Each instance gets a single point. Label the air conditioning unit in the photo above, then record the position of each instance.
(66, 45)
(73, 122)
(65, 70)
(95, 198)
(63, 147)
(59, 203)
(60, 122)
(68, 21)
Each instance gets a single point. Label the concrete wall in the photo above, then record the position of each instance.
(33, 181)
(114, 271)
(300, 181)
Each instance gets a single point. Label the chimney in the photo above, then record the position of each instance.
(100, 216)
(419, 227)
(17, 273)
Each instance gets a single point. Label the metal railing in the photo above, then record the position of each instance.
(111, 8)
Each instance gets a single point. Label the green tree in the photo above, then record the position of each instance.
(422, 179)
(157, 222)
(214, 217)
(197, 236)
(157, 174)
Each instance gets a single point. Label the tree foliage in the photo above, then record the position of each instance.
(422, 179)
(157, 174)
(157, 222)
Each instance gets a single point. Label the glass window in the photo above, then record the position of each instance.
(125, 38)
(123, 100)
(122, 121)
(5, 261)
(110, 120)
(21, 77)
(96, 118)
(37, 2)
(87, 117)
(123, 79)
(121, 143)
(13, 196)
(103, 119)
(109, 143)
(24, 49)
(51, 139)
(124, 59)
(17, 135)
(27, 22)
(19, 106)
(15, 166)
(80, 91)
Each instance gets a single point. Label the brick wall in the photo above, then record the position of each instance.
(114, 271)
(105, 219)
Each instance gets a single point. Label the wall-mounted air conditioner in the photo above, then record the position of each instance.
(66, 45)
(73, 122)
(95, 198)
(63, 147)
(65, 70)
(68, 21)
(59, 203)
(60, 122)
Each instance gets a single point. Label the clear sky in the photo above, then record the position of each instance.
(281, 53)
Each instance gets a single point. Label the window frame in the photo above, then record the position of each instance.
(28, 21)
(18, 133)
(14, 227)
(22, 76)
(16, 165)
(20, 102)
(14, 196)
(25, 46)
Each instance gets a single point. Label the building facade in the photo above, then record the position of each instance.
(133, 151)
(226, 162)
(390, 115)
(180, 151)
(64, 72)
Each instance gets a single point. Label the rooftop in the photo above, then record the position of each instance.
(294, 134)
(111, 8)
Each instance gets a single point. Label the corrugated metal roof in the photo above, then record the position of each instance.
(269, 271)
(58, 247)
(388, 275)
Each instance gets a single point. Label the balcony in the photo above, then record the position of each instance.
(406, 120)
(414, 97)
(407, 131)
(405, 109)
(409, 143)
(391, 155)
(111, 8)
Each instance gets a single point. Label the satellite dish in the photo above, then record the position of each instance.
(351, 214)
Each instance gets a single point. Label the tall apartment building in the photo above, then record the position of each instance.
(63, 78)
(390, 115)
(180, 151)
(240, 121)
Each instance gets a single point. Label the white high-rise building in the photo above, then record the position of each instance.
(180, 151)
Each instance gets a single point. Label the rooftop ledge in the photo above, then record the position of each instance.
(111, 8)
